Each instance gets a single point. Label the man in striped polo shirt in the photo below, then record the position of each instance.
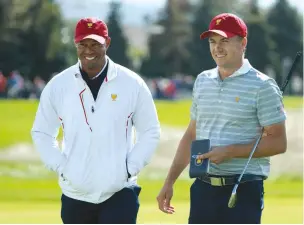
(231, 104)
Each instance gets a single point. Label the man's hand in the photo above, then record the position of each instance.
(164, 198)
(216, 155)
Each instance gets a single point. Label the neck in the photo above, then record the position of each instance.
(227, 71)
(95, 71)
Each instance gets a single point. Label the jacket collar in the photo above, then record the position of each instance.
(111, 74)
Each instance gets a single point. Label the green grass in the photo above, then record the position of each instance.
(16, 121)
(38, 201)
(17, 117)
(49, 213)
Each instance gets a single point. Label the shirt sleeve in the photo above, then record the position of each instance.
(147, 129)
(270, 108)
(45, 131)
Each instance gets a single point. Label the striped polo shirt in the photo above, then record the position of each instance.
(233, 111)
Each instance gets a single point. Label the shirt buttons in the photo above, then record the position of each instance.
(222, 89)
(219, 101)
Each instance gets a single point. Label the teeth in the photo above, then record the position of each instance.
(220, 56)
(90, 58)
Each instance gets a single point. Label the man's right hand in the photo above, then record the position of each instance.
(164, 198)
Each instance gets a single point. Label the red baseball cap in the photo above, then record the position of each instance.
(226, 25)
(92, 28)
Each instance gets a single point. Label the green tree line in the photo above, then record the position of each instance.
(37, 40)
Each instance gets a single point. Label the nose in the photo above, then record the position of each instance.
(87, 50)
(218, 47)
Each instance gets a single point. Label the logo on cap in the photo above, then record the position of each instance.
(92, 28)
(227, 25)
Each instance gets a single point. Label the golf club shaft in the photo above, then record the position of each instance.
(233, 195)
(293, 66)
(232, 200)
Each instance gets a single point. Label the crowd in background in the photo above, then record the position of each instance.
(16, 86)
(166, 45)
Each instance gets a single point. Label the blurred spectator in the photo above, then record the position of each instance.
(170, 90)
(28, 89)
(15, 84)
(3, 83)
(39, 85)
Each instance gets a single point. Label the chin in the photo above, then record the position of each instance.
(220, 63)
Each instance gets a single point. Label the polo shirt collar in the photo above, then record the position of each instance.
(241, 71)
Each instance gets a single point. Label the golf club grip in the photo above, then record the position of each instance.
(293, 66)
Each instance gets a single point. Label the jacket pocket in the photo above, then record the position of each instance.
(128, 174)
(63, 163)
(67, 185)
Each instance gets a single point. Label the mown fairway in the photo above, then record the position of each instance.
(17, 117)
(38, 201)
(30, 194)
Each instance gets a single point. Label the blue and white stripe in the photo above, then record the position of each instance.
(233, 111)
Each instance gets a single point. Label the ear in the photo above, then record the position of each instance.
(108, 42)
(244, 42)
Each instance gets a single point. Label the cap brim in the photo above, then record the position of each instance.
(95, 37)
(220, 32)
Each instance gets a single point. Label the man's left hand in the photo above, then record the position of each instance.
(216, 155)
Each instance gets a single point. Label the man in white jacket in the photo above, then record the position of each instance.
(97, 102)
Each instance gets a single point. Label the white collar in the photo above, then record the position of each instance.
(241, 71)
(111, 74)
(93, 78)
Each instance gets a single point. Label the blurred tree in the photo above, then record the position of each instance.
(34, 45)
(168, 54)
(7, 35)
(119, 46)
(5, 10)
(287, 33)
(153, 65)
(68, 39)
(259, 35)
(200, 54)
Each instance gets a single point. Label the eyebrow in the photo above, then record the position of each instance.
(84, 42)
(211, 39)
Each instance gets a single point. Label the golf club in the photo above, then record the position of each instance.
(233, 197)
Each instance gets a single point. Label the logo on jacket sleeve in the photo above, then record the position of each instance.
(114, 97)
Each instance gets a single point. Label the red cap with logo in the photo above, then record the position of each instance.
(226, 25)
(92, 28)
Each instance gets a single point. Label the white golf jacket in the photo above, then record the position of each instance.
(98, 146)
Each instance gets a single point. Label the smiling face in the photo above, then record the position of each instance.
(92, 55)
(227, 52)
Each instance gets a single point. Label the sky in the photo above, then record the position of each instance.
(266, 3)
(134, 10)
(263, 3)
